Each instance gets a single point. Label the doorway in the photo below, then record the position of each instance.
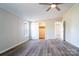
(59, 30)
(42, 30)
(38, 30)
(35, 30)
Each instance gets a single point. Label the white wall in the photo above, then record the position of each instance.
(11, 30)
(72, 25)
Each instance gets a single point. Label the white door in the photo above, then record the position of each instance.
(59, 30)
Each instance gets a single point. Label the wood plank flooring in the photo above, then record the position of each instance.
(51, 47)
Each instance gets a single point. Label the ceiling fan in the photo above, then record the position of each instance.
(51, 5)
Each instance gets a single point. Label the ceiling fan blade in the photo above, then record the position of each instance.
(58, 8)
(48, 9)
(45, 3)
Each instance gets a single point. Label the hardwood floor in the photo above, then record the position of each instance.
(52, 47)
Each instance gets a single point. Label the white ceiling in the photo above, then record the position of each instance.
(34, 11)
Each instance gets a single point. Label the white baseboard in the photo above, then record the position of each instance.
(12, 47)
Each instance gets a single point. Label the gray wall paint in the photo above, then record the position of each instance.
(11, 30)
(72, 25)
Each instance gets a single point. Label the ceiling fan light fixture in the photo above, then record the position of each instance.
(53, 6)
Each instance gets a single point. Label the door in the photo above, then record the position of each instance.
(41, 30)
(59, 30)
